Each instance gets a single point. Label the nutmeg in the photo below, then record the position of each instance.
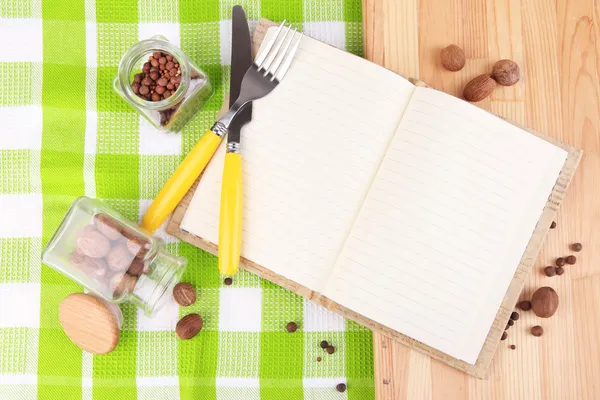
(92, 243)
(107, 226)
(544, 302)
(506, 72)
(453, 58)
(184, 294)
(479, 88)
(119, 258)
(188, 326)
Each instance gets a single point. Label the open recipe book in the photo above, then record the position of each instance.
(402, 204)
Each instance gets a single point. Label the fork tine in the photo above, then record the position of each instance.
(263, 54)
(273, 54)
(280, 71)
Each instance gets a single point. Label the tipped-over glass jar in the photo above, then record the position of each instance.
(162, 83)
(112, 257)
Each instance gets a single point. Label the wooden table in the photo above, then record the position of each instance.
(557, 45)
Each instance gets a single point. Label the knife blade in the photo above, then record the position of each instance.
(241, 59)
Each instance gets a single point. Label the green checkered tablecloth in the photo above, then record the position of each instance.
(64, 133)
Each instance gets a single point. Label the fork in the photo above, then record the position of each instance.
(262, 77)
(269, 67)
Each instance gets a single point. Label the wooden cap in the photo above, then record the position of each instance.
(89, 323)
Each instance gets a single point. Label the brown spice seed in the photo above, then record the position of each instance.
(189, 326)
(550, 271)
(291, 327)
(511, 322)
(341, 387)
(537, 331)
(135, 86)
(169, 57)
(318, 359)
(514, 316)
(525, 305)
(330, 349)
(560, 271)
(553, 225)
(576, 247)
(560, 262)
(146, 67)
(154, 63)
(184, 294)
(512, 347)
(167, 94)
(155, 97)
(324, 344)
(228, 281)
(138, 77)
(162, 82)
(571, 260)
(170, 64)
(156, 54)
(504, 335)
(160, 89)
(154, 75)
(147, 81)
(162, 60)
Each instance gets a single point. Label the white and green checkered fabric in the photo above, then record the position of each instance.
(65, 134)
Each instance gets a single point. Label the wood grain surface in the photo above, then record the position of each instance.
(557, 45)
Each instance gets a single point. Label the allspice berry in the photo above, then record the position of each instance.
(504, 335)
(184, 294)
(506, 72)
(188, 326)
(553, 225)
(560, 262)
(324, 344)
(544, 302)
(341, 387)
(537, 331)
(514, 316)
(291, 327)
(576, 247)
(550, 271)
(560, 271)
(453, 58)
(571, 260)
(525, 305)
(330, 349)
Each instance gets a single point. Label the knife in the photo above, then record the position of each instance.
(230, 221)
(196, 160)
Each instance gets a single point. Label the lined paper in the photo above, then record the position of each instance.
(309, 156)
(445, 223)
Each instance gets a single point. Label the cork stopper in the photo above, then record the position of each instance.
(91, 323)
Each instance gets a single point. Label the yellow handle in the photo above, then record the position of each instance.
(230, 224)
(180, 182)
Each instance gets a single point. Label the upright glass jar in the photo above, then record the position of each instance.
(112, 257)
(171, 113)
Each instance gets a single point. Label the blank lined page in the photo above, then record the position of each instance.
(445, 223)
(309, 156)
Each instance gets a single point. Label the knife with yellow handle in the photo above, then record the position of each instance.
(182, 179)
(230, 220)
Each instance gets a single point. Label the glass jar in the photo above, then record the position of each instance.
(112, 257)
(172, 113)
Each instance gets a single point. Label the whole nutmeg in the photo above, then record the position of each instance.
(453, 58)
(107, 226)
(544, 302)
(188, 326)
(136, 268)
(184, 294)
(506, 72)
(95, 267)
(120, 283)
(92, 243)
(537, 331)
(479, 88)
(119, 258)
